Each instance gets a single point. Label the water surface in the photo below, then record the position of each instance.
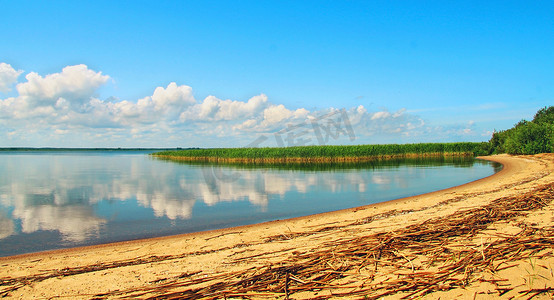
(51, 200)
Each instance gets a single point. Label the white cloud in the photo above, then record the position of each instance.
(173, 95)
(214, 109)
(275, 114)
(67, 104)
(8, 77)
(380, 115)
(77, 84)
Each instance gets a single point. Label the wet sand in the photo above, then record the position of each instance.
(217, 260)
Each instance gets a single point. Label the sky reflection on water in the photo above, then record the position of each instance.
(56, 200)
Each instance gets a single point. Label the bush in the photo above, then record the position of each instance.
(544, 116)
(530, 138)
(527, 137)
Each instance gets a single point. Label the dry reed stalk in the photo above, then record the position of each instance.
(337, 261)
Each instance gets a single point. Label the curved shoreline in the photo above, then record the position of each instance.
(132, 264)
(507, 165)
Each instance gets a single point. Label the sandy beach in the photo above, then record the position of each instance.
(488, 239)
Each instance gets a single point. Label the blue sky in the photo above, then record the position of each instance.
(219, 74)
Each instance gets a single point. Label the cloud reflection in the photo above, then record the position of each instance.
(6, 226)
(66, 195)
(75, 222)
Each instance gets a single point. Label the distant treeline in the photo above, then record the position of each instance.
(526, 137)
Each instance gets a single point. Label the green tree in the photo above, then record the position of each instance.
(527, 137)
(544, 116)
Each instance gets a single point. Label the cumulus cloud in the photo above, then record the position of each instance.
(67, 104)
(173, 95)
(214, 109)
(8, 77)
(276, 114)
(76, 84)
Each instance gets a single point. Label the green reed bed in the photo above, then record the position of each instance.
(323, 153)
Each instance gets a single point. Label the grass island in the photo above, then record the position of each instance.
(324, 154)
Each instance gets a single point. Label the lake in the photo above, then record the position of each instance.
(51, 200)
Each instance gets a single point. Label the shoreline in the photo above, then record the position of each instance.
(506, 166)
(124, 267)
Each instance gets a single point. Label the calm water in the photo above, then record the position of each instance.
(51, 200)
